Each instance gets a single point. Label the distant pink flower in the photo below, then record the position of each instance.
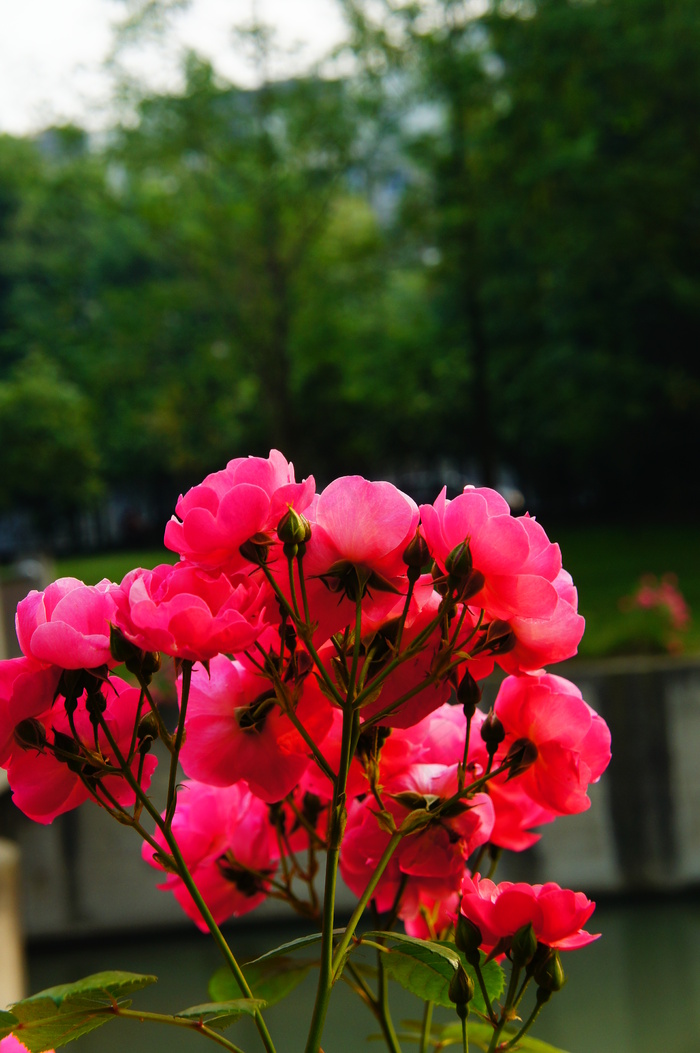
(68, 624)
(44, 786)
(237, 730)
(572, 742)
(229, 507)
(229, 846)
(187, 613)
(557, 915)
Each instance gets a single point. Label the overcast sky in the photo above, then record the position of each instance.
(51, 51)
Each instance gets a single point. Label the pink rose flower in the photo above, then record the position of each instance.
(229, 846)
(44, 786)
(229, 507)
(557, 915)
(572, 742)
(68, 624)
(237, 730)
(365, 524)
(11, 1044)
(187, 613)
(516, 576)
(26, 690)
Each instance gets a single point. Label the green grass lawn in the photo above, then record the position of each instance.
(606, 564)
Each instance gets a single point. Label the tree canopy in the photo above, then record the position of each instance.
(481, 248)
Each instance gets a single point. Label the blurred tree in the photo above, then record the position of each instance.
(49, 460)
(557, 182)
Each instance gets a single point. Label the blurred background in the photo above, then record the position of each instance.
(439, 242)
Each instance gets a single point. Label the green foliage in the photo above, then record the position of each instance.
(49, 460)
(222, 1014)
(425, 968)
(60, 1014)
(480, 1036)
(474, 247)
(270, 980)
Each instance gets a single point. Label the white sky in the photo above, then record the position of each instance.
(52, 51)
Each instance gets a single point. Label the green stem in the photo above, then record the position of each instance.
(191, 887)
(163, 1018)
(179, 735)
(465, 1034)
(302, 587)
(512, 988)
(385, 1020)
(216, 932)
(427, 1023)
(526, 1027)
(362, 903)
(304, 631)
(338, 818)
(485, 995)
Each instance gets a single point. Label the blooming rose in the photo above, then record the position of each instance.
(572, 742)
(44, 785)
(229, 846)
(557, 915)
(237, 730)
(229, 507)
(516, 574)
(67, 624)
(187, 613)
(26, 690)
(11, 1044)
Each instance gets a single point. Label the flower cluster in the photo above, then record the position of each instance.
(330, 648)
(661, 597)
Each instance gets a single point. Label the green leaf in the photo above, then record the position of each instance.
(222, 1014)
(271, 980)
(481, 1035)
(426, 967)
(59, 1014)
(293, 945)
(7, 1019)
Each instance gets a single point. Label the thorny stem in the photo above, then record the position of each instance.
(165, 827)
(385, 1020)
(304, 630)
(342, 947)
(336, 829)
(177, 1021)
(425, 1030)
(179, 735)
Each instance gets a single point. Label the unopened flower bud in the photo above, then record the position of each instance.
(500, 638)
(66, 749)
(492, 732)
(416, 555)
(147, 732)
(468, 939)
(469, 694)
(459, 563)
(293, 528)
(523, 945)
(521, 756)
(122, 649)
(30, 734)
(549, 975)
(461, 991)
(256, 548)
